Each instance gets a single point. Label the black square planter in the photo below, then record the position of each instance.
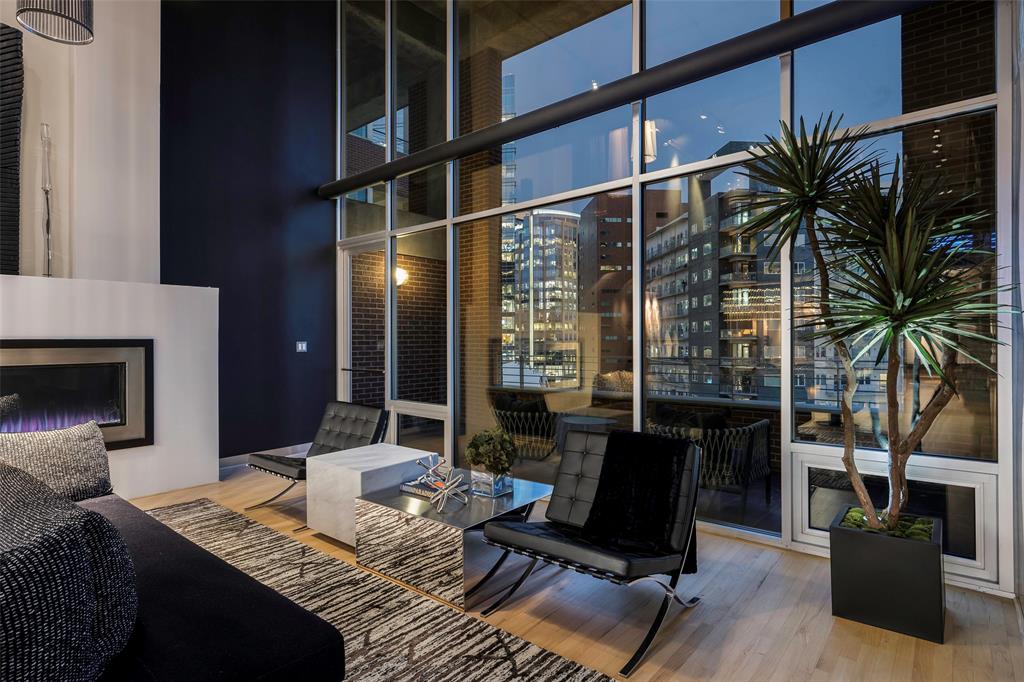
(892, 583)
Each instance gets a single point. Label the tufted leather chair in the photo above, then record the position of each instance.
(344, 426)
(571, 500)
(559, 540)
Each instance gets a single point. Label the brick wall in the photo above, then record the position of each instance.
(421, 330)
(948, 53)
(368, 327)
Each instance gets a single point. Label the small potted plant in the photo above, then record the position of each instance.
(901, 274)
(493, 451)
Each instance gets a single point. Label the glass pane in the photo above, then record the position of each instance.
(830, 491)
(420, 197)
(963, 150)
(940, 54)
(720, 115)
(366, 328)
(363, 211)
(421, 317)
(47, 397)
(712, 343)
(519, 55)
(420, 112)
(363, 84)
(545, 323)
(672, 29)
(575, 155)
(421, 433)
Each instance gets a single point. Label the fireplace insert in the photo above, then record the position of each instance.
(50, 384)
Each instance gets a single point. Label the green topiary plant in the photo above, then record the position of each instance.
(493, 449)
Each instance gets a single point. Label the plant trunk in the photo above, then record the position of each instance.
(846, 407)
(897, 467)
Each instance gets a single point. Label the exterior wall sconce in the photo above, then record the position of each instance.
(401, 276)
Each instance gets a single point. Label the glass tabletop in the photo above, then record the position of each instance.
(477, 511)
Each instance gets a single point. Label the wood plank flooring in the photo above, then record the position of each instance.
(764, 615)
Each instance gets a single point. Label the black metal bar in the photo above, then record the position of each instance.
(515, 586)
(271, 499)
(490, 574)
(652, 632)
(780, 37)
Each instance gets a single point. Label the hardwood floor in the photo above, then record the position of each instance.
(764, 614)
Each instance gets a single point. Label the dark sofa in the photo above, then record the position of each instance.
(200, 618)
(195, 616)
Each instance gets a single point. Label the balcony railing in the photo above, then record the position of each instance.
(737, 250)
(728, 277)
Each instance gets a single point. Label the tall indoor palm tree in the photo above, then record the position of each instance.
(896, 274)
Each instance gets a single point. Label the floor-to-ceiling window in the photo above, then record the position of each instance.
(593, 275)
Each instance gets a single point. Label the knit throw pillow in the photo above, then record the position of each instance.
(67, 585)
(72, 461)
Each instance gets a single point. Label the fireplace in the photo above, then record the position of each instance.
(51, 384)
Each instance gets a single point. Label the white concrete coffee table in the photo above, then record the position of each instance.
(335, 480)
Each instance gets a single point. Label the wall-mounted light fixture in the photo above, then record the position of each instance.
(63, 21)
(401, 276)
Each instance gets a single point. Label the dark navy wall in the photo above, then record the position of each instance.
(247, 134)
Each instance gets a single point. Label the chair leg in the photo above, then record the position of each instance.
(505, 597)
(269, 500)
(300, 528)
(670, 596)
(490, 574)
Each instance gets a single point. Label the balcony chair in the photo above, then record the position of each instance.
(732, 457)
(344, 426)
(563, 541)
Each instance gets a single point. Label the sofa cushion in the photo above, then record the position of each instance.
(202, 619)
(67, 589)
(72, 461)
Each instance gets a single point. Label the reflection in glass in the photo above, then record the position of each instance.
(420, 111)
(363, 84)
(420, 197)
(962, 152)
(545, 321)
(672, 29)
(421, 314)
(421, 433)
(366, 327)
(363, 211)
(829, 492)
(712, 342)
(506, 51)
(936, 55)
(575, 155)
(721, 115)
(506, 54)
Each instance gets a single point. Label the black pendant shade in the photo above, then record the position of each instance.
(65, 21)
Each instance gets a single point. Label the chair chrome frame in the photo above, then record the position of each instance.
(670, 588)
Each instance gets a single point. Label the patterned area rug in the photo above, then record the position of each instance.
(390, 633)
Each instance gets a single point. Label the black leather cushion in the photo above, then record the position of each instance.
(347, 425)
(576, 482)
(560, 542)
(67, 589)
(282, 465)
(344, 426)
(202, 619)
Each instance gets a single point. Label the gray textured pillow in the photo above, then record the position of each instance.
(67, 585)
(72, 461)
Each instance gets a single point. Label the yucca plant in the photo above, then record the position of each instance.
(895, 274)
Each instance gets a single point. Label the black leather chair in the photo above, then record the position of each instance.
(558, 540)
(344, 426)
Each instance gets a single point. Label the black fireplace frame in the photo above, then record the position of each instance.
(147, 347)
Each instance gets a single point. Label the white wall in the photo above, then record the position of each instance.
(102, 102)
(182, 321)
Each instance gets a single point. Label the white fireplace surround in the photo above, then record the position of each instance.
(182, 321)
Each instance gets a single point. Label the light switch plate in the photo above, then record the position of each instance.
(300, 346)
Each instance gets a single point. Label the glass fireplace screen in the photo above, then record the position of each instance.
(45, 397)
